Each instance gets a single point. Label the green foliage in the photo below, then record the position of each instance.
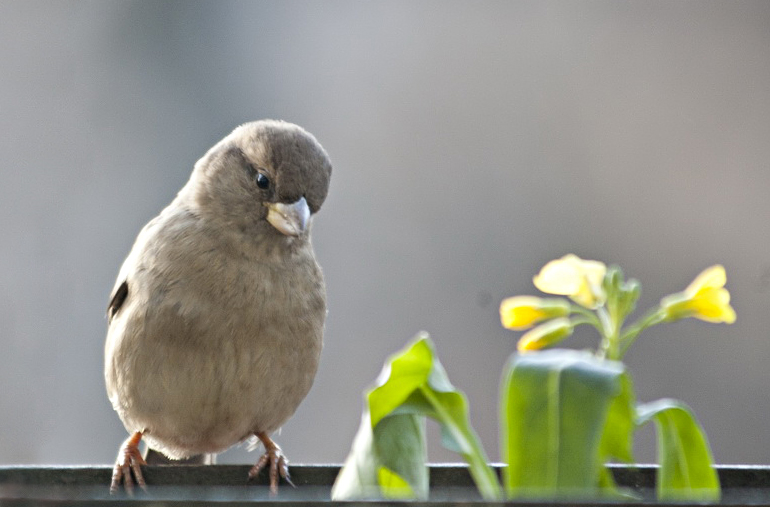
(566, 413)
(563, 414)
(385, 461)
(388, 455)
(541, 391)
(686, 471)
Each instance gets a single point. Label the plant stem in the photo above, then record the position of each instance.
(630, 334)
(582, 319)
(587, 317)
(610, 345)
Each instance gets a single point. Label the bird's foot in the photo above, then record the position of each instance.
(279, 465)
(128, 463)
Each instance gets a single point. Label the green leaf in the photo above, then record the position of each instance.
(399, 446)
(394, 484)
(617, 439)
(563, 413)
(413, 385)
(401, 376)
(686, 464)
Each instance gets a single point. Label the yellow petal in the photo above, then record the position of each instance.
(575, 277)
(594, 271)
(713, 305)
(561, 277)
(522, 312)
(705, 299)
(589, 295)
(709, 278)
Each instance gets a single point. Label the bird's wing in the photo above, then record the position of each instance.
(127, 270)
(119, 296)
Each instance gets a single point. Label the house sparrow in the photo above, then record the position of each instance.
(215, 324)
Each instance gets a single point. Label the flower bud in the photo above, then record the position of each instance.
(545, 335)
(523, 312)
(629, 294)
(705, 299)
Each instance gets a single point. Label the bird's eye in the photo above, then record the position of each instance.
(262, 181)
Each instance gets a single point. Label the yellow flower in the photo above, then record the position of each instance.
(705, 299)
(523, 312)
(545, 335)
(577, 278)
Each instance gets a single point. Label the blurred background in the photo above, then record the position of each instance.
(472, 142)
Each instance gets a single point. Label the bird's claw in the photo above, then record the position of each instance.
(128, 463)
(279, 465)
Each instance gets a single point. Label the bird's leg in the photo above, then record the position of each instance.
(278, 463)
(129, 459)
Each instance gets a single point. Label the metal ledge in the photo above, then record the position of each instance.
(226, 485)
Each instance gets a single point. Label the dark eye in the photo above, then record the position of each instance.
(262, 181)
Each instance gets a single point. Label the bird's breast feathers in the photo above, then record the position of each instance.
(240, 338)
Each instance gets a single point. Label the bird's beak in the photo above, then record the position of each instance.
(290, 219)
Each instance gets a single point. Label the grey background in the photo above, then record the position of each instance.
(472, 142)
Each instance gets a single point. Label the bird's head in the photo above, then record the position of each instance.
(266, 176)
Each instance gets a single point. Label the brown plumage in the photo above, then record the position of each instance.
(216, 320)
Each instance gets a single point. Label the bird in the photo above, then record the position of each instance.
(215, 323)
